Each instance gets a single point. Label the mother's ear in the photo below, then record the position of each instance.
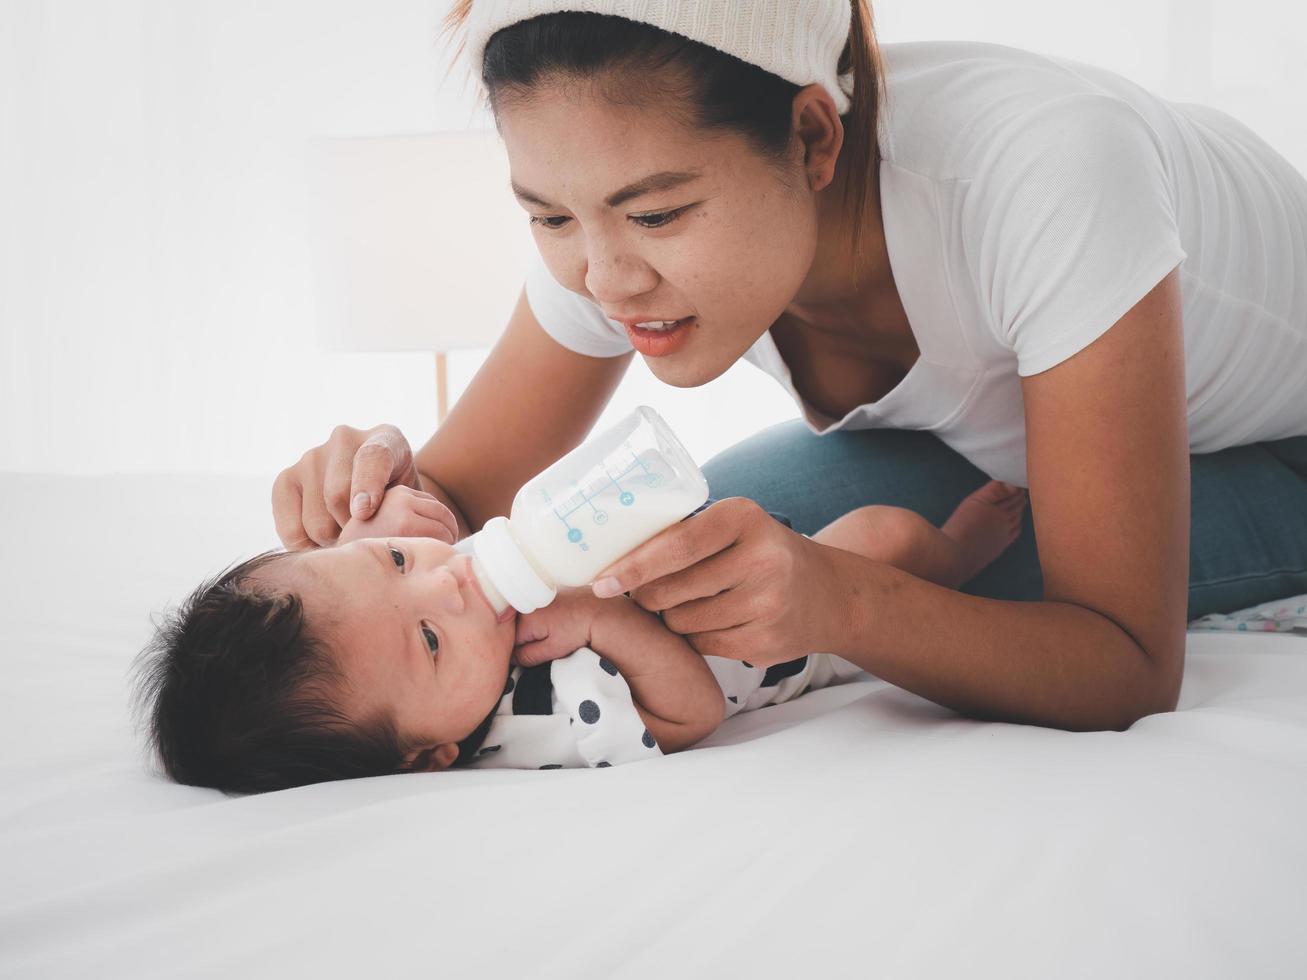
(816, 122)
(430, 758)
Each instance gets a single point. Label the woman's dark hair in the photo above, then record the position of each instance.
(722, 91)
(238, 693)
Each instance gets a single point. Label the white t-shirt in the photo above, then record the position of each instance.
(1028, 203)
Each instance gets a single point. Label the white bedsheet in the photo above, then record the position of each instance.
(858, 831)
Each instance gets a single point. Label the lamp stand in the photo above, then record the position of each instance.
(442, 390)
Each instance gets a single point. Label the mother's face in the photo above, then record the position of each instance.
(730, 246)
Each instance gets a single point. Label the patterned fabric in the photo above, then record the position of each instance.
(1277, 616)
(578, 711)
(573, 712)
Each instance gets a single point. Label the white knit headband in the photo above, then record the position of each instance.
(797, 40)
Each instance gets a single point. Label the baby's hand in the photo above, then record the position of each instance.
(404, 513)
(559, 628)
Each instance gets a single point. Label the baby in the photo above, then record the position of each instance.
(382, 654)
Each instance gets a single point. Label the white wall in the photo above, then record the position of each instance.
(1245, 57)
(155, 311)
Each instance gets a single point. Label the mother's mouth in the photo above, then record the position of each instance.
(661, 342)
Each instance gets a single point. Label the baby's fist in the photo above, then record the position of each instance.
(556, 630)
(404, 513)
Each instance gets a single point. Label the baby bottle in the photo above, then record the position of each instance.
(596, 504)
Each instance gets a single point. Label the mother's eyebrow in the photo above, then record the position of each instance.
(664, 180)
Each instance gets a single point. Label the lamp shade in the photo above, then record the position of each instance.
(418, 243)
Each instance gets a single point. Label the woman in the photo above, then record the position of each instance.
(1038, 273)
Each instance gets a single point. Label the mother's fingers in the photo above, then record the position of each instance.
(301, 518)
(319, 525)
(336, 482)
(725, 610)
(679, 546)
(746, 643)
(287, 515)
(375, 463)
(725, 643)
(710, 577)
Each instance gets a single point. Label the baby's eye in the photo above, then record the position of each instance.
(397, 557)
(433, 641)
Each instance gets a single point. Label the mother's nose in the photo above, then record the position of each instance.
(612, 278)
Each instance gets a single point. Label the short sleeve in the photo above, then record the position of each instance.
(1069, 221)
(572, 320)
(591, 692)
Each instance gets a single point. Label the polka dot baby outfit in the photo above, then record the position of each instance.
(573, 712)
(747, 687)
(578, 711)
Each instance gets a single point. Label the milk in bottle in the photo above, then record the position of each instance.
(596, 504)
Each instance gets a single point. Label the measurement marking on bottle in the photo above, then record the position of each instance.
(580, 499)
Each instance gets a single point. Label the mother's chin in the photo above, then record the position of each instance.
(707, 355)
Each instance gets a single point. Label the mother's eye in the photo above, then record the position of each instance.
(660, 220)
(433, 641)
(547, 222)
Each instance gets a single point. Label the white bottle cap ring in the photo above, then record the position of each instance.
(513, 575)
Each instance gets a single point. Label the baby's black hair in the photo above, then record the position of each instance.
(238, 689)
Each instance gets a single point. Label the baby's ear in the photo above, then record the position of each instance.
(431, 758)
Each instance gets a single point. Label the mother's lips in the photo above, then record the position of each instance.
(634, 321)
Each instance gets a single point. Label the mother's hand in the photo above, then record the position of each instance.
(345, 477)
(736, 583)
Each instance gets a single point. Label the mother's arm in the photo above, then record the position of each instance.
(1108, 462)
(1108, 465)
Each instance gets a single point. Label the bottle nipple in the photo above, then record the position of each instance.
(507, 575)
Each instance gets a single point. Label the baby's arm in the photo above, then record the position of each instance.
(673, 689)
(675, 693)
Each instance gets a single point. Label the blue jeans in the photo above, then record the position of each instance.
(1248, 538)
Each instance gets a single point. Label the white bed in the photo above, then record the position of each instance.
(859, 831)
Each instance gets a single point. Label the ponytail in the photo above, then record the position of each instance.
(861, 56)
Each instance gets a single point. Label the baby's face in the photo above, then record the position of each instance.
(411, 631)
